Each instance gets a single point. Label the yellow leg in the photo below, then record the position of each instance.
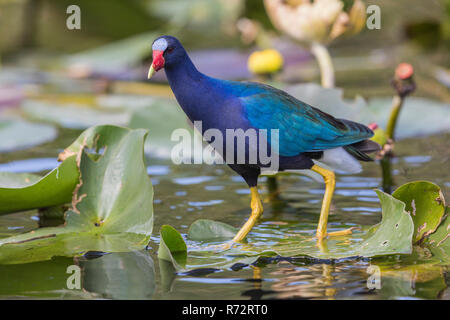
(330, 181)
(257, 210)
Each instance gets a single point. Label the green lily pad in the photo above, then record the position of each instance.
(440, 237)
(426, 204)
(439, 242)
(162, 118)
(172, 247)
(204, 229)
(393, 235)
(17, 180)
(168, 124)
(111, 205)
(73, 116)
(20, 191)
(19, 134)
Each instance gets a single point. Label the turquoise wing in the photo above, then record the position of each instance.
(302, 128)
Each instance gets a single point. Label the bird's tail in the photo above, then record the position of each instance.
(359, 150)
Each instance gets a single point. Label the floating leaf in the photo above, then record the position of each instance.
(111, 206)
(204, 229)
(114, 59)
(17, 180)
(426, 204)
(393, 235)
(165, 120)
(394, 232)
(19, 134)
(20, 191)
(74, 116)
(117, 188)
(172, 247)
(162, 118)
(439, 242)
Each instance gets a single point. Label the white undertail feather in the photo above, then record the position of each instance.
(340, 161)
(336, 159)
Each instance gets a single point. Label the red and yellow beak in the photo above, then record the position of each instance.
(157, 64)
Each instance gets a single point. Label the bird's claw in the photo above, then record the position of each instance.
(223, 246)
(336, 233)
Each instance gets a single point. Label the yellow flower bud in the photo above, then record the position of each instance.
(266, 61)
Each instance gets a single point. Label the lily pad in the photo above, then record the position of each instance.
(204, 229)
(19, 134)
(114, 59)
(172, 247)
(393, 235)
(425, 202)
(22, 191)
(162, 118)
(121, 275)
(17, 180)
(73, 116)
(111, 205)
(439, 241)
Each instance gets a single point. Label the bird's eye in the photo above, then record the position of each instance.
(169, 50)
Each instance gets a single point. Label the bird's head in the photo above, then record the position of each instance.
(167, 51)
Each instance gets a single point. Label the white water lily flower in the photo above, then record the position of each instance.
(317, 21)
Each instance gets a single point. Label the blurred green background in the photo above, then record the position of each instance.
(411, 30)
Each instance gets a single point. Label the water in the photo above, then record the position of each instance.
(182, 195)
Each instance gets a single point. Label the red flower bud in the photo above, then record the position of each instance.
(404, 71)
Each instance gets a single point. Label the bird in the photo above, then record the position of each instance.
(307, 138)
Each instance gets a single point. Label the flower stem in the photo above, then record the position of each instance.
(386, 169)
(325, 64)
(397, 103)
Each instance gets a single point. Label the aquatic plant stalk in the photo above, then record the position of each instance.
(386, 170)
(325, 64)
(397, 103)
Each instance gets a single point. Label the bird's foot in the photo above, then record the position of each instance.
(223, 246)
(348, 231)
(342, 232)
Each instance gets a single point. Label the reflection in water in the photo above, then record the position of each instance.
(184, 196)
(386, 171)
(126, 275)
(312, 282)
